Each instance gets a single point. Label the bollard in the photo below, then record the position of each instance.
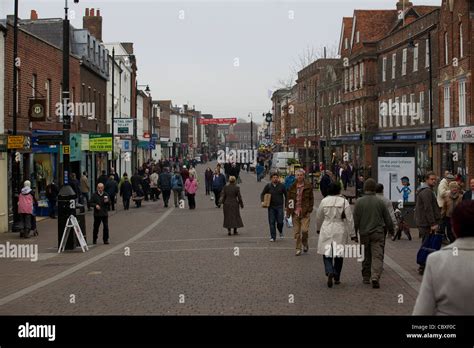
(66, 208)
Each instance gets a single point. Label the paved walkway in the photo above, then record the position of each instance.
(180, 261)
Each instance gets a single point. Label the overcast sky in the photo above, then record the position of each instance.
(193, 59)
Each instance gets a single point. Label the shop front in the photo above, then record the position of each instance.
(456, 148)
(416, 143)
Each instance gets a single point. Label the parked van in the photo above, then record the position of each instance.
(280, 160)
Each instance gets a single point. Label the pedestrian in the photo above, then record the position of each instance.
(335, 226)
(146, 184)
(289, 180)
(190, 187)
(447, 287)
(26, 200)
(259, 170)
(427, 211)
(443, 187)
(218, 183)
(102, 179)
(299, 207)
(111, 187)
(277, 202)
(101, 201)
(74, 183)
(345, 176)
(208, 174)
(154, 185)
(114, 174)
(469, 195)
(165, 185)
(360, 186)
(379, 193)
(126, 191)
(232, 200)
(85, 189)
(371, 221)
(52, 192)
(192, 171)
(184, 173)
(450, 200)
(325, 183)
(177, 187)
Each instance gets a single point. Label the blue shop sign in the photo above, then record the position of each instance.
(45, 148)
(412, 136)
(383, 137)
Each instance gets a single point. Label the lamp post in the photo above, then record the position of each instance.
(251, 131)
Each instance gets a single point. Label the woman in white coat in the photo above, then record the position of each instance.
(335, 226)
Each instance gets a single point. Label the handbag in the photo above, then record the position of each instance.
(432, 243)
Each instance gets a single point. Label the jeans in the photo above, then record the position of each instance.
(126, 203)
(105, 223)
(333, 265)
(177, 195)
(166, 197)
(217, 196)
(275, 216)
(374, 247)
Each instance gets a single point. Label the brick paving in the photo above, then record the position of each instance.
(186, 264)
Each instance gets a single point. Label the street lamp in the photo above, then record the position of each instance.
(251, 131)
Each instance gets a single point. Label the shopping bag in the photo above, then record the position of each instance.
(289, 222)
(266, 200)
(432, 243)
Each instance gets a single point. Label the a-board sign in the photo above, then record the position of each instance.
(72, 223)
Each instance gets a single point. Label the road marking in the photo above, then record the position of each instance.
(206, 249)
(404, 274)
(30, 289)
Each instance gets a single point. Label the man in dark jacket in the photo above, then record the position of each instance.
(102, 179)
(427, 212)
(469, 195)
(300, 205)
(165, 185)
(52, 192)
(126, 192)
(218, 183)
(371, 220)
(100, 201)
(324, 184)
(111, 187)
(277, 202)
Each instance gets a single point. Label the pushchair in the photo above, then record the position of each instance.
(402, 226)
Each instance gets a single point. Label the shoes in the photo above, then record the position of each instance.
(272, 240)
(281, 235)
(330, 278)
(306, 248)
(366, 281)
(375, 284)
(235, 232)
(337, 281)
(298, 252)
(106, 242)
(229, 234)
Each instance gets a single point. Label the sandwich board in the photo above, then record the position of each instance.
(74, 224)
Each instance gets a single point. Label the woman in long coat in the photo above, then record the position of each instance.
(335, 226)
(232, 200)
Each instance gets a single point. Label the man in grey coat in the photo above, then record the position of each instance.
(371, 220)
(387, 202)
(427, 212)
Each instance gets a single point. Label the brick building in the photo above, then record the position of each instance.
(456, 124)
(404, 71)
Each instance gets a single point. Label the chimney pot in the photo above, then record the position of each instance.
(87, 12)
(34, 15)
(92, 12)
(98, 12)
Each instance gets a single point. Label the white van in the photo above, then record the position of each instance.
(280, 160)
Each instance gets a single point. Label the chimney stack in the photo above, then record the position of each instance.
(93, 22)
(34, 15)
(403, 5)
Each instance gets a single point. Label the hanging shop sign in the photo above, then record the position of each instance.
(123, 126)
(37, 110)
(100, 142)
(18, 142)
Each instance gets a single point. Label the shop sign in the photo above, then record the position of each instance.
(123, 126)
(37, 110)
(18, 142)
(100, 142)
(75, 147)
(84, 142)
(126, 145)
(455, 135)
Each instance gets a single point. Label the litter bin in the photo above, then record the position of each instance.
(81, 219)
(66, 207)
